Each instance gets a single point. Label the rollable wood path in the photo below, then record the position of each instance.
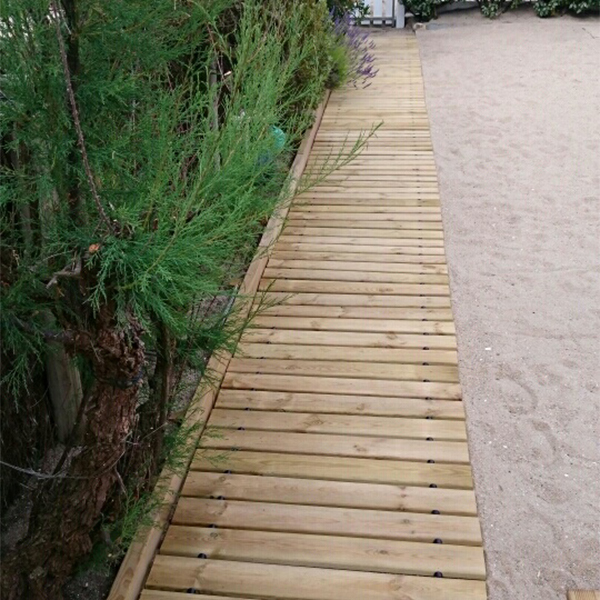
(336, 466)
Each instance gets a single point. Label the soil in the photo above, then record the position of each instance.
(513, 104)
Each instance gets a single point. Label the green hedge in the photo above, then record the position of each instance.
(425, 10)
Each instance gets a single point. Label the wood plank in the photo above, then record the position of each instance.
(167, 595)
(422, 326)
(351, 425)
(326, 218)
(583, 595)
(290, 583)
(418, 212)
(393, 246)
(387, 224)
(355, 312)
(313, 230)
(353, 287)
(342, 385)
(337, 468)
(346, 368)
(347, 353)
(287, 490)
(355, 300)
(299, 518)
(349, 265)
(358, 554)
(370, 276)
(340, 404)
(406, 200)
(349, 338)
(340, 256)
(338, 445)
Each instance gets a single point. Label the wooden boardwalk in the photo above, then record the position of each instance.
(336, 465)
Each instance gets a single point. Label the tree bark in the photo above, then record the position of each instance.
(68, 508)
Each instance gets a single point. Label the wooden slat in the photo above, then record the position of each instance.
(357, 312)
(308, 230)
(299, 518)
(338, 445)
(341, 404)
(583, 595)
(336, 468)
(328, 385)
(340, 255)
(387, 326)
(290, 583)
(345, 425)
(167, 595)
(343, 224)
(358, 300)
(353, 287)
(345, 494)
(400, 357)
(349, 338)
(358, 554)
(346, 368)
(363, 245)
(346, 275)
(370, 266)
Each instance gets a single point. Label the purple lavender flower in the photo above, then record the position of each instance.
(358, 45)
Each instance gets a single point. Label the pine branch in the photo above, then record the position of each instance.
(76, 120)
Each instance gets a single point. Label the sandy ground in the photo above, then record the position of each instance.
(514, 107)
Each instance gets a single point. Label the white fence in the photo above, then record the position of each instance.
(385, 12)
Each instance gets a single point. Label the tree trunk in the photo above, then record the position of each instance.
(68, 508)
(64, 384)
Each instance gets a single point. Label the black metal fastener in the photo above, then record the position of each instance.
(429, 439)
(202, 555)
(429, 418)
(438, 574)
(220, 497)
(241, 429)
(212, 526)
(433, 485)
(431, 462)
(438, 541)
(228, 472)
(435, 512)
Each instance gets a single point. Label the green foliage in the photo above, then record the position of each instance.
(424, 10)
(341, 8)
(187, 199)
(142, 154)
(340, 66)
(551, 8)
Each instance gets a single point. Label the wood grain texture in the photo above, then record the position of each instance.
(292, 582)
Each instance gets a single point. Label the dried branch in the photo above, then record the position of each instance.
(76, 120)
(73, 271)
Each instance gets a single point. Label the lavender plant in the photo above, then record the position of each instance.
(353, 61)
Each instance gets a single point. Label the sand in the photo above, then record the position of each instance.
(514, 106)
